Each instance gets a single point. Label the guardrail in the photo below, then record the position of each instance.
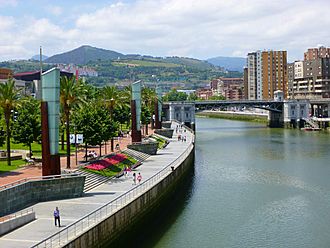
(29, 179)
(85, 223)
(15, 215)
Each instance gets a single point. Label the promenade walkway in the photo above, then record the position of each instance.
(73, 209)
(36, 171)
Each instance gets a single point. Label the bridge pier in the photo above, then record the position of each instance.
(275, 119)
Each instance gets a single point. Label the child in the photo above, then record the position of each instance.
(139, 178)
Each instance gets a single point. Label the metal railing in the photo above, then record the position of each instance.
(77, 228)
(29, 179)
(15, 215)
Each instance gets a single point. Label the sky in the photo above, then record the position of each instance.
(191, 28)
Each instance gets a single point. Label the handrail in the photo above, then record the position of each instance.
(29, 179)
(86, 222)
(17, 214)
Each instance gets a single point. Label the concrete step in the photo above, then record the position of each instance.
(93, 180)
(140, 156)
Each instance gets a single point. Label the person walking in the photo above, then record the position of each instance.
(139, 178)
(134, 178)
(57, 217)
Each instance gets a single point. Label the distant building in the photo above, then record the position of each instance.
(5, 73)
(80, 70)
(245, 82)
(311, 79)
(316, 53)
(204, 94)
(290, 80)
(266, 73)
(231, 88)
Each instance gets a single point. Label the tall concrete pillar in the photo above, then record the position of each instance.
(136, 111)
(50, 112)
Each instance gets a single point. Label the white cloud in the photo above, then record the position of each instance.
(4, 3)
(54, 10)
(196, 28)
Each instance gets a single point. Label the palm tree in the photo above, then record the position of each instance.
(113, 98)
(9, 96)
(72, 93)
(149, 97)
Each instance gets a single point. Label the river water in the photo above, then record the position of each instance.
(254, 187)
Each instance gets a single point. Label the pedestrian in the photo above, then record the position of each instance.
(139, 178)
(179, 137)
(125, 171)
(134, 178)
(57, 217)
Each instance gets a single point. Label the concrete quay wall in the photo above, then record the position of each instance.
(20, 196)
(111, 229)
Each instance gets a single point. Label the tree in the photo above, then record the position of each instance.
(27, 126)
(221, 97)
(149, 97)
(93, 121)
(174, 95)
(72, 93)
(192, 97)
(9, 98)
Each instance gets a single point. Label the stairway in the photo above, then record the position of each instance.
(92, 180)
(139, 156)
(311, 123)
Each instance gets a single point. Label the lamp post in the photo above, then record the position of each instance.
(75, 143)
(112, 102)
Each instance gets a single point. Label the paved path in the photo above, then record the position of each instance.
(35, 170)
(73, 209)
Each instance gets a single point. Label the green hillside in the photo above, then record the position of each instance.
(113, 67)
(82, 55)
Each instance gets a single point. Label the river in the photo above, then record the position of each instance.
(254, 187)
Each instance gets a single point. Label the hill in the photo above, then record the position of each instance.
(37, 57)
(229, 63)
(82, 55)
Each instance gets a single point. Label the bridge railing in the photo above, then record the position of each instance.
(77, 228)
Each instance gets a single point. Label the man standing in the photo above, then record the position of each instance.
(57, 217)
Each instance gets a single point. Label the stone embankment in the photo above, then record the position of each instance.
(236, 115)
(105, 212)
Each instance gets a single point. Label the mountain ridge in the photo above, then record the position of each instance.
(83, 54)
(229, 63)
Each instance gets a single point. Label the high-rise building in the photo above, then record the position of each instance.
(245, 82)
(266, 73)
(316, 53)
(290, 80)
(311, 79)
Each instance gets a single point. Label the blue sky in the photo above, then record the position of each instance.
(192, 28)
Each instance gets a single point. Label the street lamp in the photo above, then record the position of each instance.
(75, 143)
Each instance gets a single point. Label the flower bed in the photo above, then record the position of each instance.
(111, 165)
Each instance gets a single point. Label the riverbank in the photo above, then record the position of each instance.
(102, 214)
(238, 116)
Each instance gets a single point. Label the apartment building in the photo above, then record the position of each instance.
(231, 88)
(266, 73)
(315, 53)
(311, 79)
(245, 83)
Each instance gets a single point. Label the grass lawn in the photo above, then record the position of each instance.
(36, 148)
(114, 169)
(15, 164)
(161, 142)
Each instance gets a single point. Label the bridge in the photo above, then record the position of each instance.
(284, 113)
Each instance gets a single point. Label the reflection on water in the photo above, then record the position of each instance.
(255, 187)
